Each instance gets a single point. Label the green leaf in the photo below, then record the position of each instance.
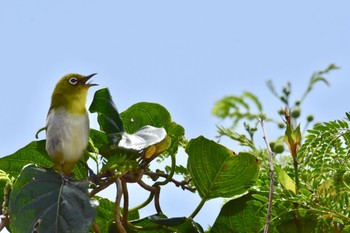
(147, 222)
(331, 67)
(254, 98)
(160, 223)
(167, 221)
(217, 171)
(238, 216)
(176, 132)
(227, 106)
(142, 114)
(238, 108)
(285, 180)
(108, 116)
(347, 115)
(305, 225)
(34, 152)
(178, 224)
(41, 201)
(189, 226)
(293, 139)
(240, 138)
(316, 79)
(101, 142)
(261, 198)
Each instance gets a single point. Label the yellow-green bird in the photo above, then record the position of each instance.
(67, 125)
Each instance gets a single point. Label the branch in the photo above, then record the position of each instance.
(170, 175)
(101, 187)
(156, 200)
(271, 154)
(183, 184)
(126, 203)
(118, 199)
(155, 190)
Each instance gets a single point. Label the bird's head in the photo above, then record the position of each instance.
(71, 91)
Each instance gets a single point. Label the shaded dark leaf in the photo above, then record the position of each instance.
(108, 116)
(42, 201)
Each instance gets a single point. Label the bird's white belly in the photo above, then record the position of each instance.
(67, 135)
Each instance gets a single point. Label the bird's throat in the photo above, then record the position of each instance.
(73, 104)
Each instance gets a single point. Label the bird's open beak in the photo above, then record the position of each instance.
(84, 81)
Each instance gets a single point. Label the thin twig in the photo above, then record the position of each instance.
(118, 199)
(170, 175)
(157, 200)
(101, 187)
(146, 186)
(183, 184)
(271, 155)
(126, 203)
(155, 190)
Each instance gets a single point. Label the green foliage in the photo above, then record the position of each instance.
(310, 172)
(311, 191)
(120, 153)
(104, 213)
(325, 154)
(238, 108)
(241, 138)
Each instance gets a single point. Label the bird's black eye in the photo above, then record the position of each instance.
(73, 81)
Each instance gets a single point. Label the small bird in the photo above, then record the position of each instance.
(67, 125)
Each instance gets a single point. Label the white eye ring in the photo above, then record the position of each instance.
(73, 81)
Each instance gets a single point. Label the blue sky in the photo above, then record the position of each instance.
(184, 55)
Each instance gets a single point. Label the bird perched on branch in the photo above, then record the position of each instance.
(67, 126)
